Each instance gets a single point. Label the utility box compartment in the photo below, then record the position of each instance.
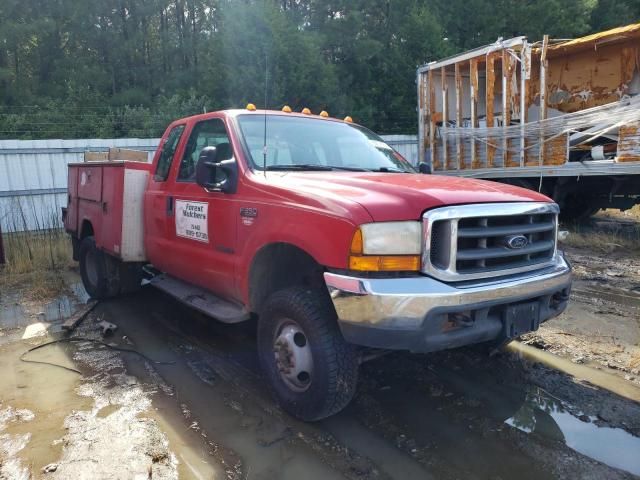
(106, 200)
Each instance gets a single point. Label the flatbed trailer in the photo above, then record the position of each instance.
(560, 117)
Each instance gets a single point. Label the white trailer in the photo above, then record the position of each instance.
(561, 117)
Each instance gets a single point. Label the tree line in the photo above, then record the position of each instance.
(126, 68)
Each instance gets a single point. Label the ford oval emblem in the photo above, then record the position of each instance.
(516, 242)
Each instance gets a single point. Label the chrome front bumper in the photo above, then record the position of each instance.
(419, 313)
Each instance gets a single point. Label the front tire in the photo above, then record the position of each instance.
(311, 369)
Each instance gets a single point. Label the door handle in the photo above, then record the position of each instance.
(169, 206)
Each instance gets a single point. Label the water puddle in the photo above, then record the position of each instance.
(45, 390)
(104, 412)
(37, 319)
(552, 418)
(390, 459)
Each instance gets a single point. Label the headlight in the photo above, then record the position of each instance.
(391, 238)
(387, 246)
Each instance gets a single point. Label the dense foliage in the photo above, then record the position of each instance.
(112, 68)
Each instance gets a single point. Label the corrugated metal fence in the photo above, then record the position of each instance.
(33, 175)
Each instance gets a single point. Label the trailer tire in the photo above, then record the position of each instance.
(97, 270)
(576, 209)
(300, 324)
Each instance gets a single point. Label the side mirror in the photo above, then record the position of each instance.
(211, 174)
(424, 167)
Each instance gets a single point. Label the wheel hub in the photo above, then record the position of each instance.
(293, 356)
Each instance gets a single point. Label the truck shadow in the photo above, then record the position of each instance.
(446, 414)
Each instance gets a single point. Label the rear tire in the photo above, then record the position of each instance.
(94, 270)
(104, 276)
(311, 369)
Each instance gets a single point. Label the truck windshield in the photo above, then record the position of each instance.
(295, 143)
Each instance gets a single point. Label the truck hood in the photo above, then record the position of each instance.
(400, 196)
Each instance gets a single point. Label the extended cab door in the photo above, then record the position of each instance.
(158, 201)
(202, 229)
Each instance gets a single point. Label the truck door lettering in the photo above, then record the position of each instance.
(191, 220)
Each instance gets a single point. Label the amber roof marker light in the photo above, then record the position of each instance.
(306, 111)
(324, 114)
(348, 119)
(286, 109)
(251, 107)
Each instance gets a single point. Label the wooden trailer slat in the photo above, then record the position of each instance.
(473, 83)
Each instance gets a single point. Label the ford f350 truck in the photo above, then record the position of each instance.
(324, 234)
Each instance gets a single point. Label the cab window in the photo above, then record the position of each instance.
(167, 152)
(208, 133)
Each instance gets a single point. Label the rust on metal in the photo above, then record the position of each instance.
(629, 143)
(445, 117)
(490, 95)
(543, 95)
(432, 122)
(525, 75)
(423, 99)
(473, 84)
(509, 104)
(459, 163)
(596, 40)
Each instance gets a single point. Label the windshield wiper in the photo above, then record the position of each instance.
(296, 166)
(349, 169)
(389, 170)
(362, 169)
(327, 168)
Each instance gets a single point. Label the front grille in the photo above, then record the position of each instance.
(489, 240)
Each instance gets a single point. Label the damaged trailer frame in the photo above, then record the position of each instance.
(558, 116)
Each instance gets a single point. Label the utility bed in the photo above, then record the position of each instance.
(107, 197)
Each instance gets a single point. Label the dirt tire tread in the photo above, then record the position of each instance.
(315, 312)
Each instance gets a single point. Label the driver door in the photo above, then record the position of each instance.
(204, 223)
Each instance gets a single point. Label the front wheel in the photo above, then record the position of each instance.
(311, 369)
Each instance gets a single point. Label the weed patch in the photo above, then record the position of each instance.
(36, 260)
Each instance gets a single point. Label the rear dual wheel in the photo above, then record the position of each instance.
(104, 276)
(311, 369)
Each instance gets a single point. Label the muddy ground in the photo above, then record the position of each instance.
(171, 394)
(601, 327)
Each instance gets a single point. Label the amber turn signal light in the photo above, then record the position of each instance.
(379, 263)
(385, 263)
(356, 243)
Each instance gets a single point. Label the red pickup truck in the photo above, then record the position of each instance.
(327, 236)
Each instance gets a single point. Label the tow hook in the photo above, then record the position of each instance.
(461, 319)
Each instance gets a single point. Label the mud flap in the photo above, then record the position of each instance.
(521, 318)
